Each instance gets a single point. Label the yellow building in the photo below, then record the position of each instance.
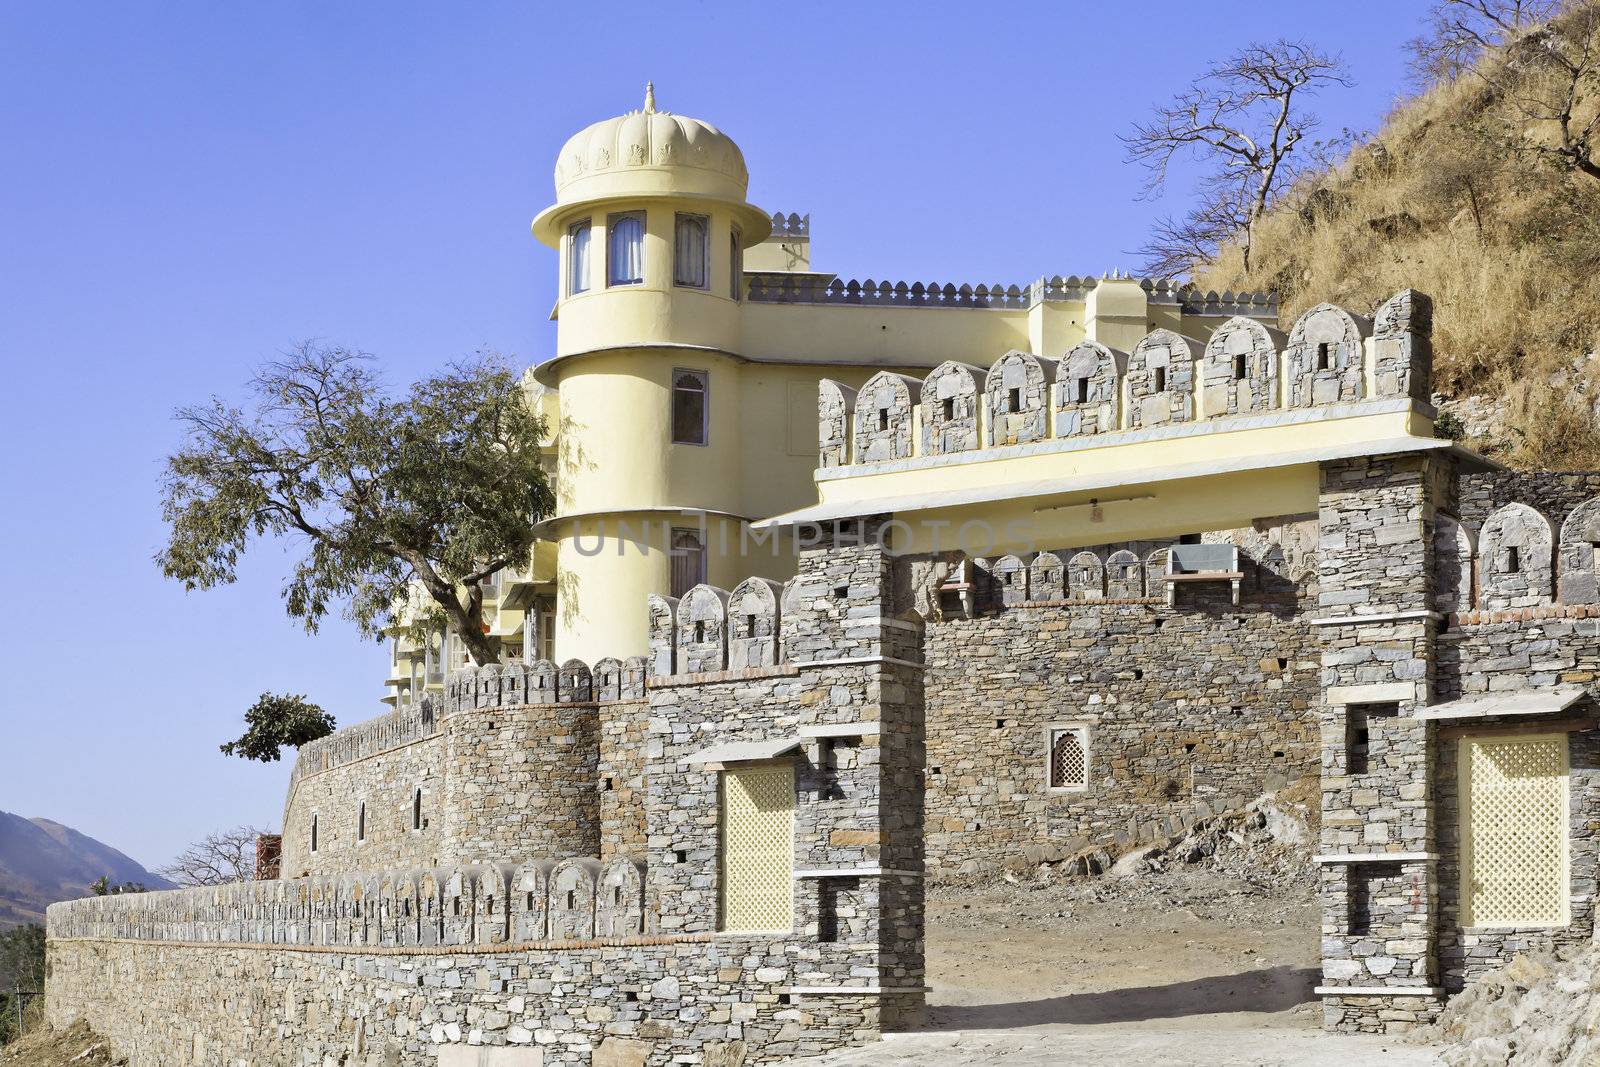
(682, 397)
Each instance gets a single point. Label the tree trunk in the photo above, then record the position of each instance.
(482, 650)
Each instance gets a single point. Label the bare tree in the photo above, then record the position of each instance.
(1460, 32)
(221, 858)
(1242, 120)
(1551, 75)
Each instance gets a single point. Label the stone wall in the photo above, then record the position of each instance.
(715, 1002)
(1190, 709)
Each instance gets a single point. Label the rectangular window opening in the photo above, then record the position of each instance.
(691, 259)
(578, 257)
(1014, 400)
(750, 626)
(736, 265)
(1373, 886)
(1081, 393)
(883, 419)
(625, 249)
(1161, 380)
(949, 408)
(1238, 368)
(690, 410)
(1513, 560)
(1322, 355)
(688, 560)
(1360, 724)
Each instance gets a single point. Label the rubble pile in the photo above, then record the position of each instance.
(1540, 1010)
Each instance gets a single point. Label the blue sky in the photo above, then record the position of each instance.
(188, 189)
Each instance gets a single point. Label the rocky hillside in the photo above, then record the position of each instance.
(42, 862)
(1463, 194)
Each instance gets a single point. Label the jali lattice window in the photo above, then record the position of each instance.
(1514, 851)
(1068, 757)
(758, 847)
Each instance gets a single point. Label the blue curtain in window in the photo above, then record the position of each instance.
(626, 257)
(578, 259)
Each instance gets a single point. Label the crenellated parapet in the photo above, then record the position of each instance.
(785, 287)
(499, 685)
(709, 630)
(467, 906)
(1244, 369)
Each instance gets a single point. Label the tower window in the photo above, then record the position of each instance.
(1014, 400)
(313, 833)
(688, 561)
(1161, 379)
(361, 823)
(578, 257)
(1322, 355)
(416, 809)
(689, 408)
(691, 251)
(736, 265)
(625, 249)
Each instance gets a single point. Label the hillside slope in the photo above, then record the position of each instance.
(43, 861)
(1455, 196)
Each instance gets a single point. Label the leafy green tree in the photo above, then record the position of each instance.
(274, 721)
(439, 488)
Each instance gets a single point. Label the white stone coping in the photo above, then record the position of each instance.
(856, 872)
(1379, 991)
(892, 503)
(744, 751)
(854, 661)
(841, 729)
(1375, 693)
(1228, 424)
(1375, 857)
(1390, 616)
(852, 990)
(1526, 702)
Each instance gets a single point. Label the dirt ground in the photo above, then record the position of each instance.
(76, 1046)
(1194, 965)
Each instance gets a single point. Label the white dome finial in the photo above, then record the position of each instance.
(649, 98)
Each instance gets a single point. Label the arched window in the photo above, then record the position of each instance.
(578, 258)
(625, 249)
(691, 251)
(689, 393)
(1069, 757)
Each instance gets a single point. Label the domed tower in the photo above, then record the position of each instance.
(651, 223)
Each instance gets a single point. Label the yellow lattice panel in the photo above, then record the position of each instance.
(1514, 828)
(758, 848)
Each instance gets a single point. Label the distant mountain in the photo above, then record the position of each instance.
(42, 862)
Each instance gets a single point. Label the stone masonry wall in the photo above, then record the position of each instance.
(701, 1001)
(521, 781)
(1190, 710)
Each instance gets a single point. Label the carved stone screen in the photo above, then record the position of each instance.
(758, 847)
(1514, 831)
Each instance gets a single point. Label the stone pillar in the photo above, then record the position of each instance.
(1377, 628)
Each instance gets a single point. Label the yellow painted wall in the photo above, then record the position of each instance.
(1156, 511)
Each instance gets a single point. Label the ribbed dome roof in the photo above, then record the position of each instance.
(650, 151)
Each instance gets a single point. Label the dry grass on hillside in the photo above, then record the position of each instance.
(76, 1046)
(1446, 198)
